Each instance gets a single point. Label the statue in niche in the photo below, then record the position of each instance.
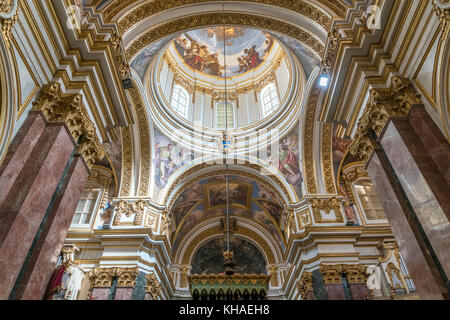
(106, 216)
(66, 280)
(374, 281)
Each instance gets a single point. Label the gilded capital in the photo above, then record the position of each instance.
(304, 285)
(70, 110)
(153, 286)
(395, 101)
(126, 277)
(331, 273)
(102, 277)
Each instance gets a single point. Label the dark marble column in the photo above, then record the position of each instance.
(139, 287)
(412, 244)
(320, 291)
(28, 179)
(44, 258)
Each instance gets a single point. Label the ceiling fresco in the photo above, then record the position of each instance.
(208, 259)
(206, 199)
(204, 50)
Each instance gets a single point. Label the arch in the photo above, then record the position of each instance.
(248, 230)
(8, 94)
(174, 27)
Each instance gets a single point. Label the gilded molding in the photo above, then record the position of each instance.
(70, 110)
(208, 19)
(153, 286)
(327, 163)
(395, 101)
(123, 66)
(127, 162)
(354, 174)
(309, 141)
(144, 139)
(326, 205)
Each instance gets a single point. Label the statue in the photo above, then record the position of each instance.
(374, 281)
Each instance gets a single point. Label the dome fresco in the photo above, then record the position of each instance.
(203, 50)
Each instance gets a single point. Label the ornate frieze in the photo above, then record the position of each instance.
(305, 285)
(326, 206)
(153, 286)
(127, 162)
(395, 101)
(70, 110)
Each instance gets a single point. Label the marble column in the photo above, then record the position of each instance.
(407, 233)
(124, 293)
(100, 293)
(28, 179)
(359, 291)
(45, 256)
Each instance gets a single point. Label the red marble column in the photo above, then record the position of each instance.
(417, 257)
(39, 269)
(123, 293)
(28, 179)
(359, 291)
(335, 291)
(434, 142)
(423, 183)
(100, 293)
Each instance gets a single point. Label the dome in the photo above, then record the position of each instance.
(223, 77)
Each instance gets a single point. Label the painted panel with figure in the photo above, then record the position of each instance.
(203, 50)
(168, 157)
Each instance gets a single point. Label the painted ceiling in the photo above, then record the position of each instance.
(206, 199)
(224, 50)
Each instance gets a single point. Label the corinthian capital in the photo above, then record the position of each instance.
(70, 110)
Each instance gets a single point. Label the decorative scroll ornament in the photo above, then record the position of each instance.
(9, 13)
(153, 286)
(442, 9)
(70, 110)
(304, 285)
(129, 208)
(326, 205)
(395, 101)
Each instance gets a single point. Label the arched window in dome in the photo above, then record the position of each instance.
(225, 115)
(369, 200)
(180, 100)
(269, 99)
